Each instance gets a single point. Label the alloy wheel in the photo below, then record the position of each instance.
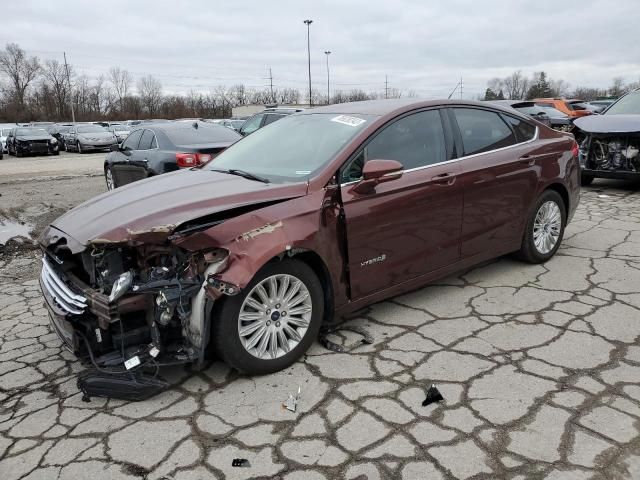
(108, 175)
(547, 226)
(275, 316)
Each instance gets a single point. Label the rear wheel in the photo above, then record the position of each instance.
(272, 322)
(544, 229)
(108, 176)
(586, 180)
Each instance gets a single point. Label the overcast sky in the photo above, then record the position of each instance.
(425, 46)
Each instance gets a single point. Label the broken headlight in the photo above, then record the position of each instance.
(120, 286)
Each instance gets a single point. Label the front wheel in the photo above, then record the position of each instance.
(108, 176)
(272, 322)
(545, 228)
(79, 147)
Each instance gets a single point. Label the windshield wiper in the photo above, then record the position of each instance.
(242, 173)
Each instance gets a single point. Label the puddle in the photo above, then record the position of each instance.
(11, 228)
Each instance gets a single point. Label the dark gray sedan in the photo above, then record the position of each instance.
(153, 149)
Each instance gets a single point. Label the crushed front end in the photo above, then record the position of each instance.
(612, 155)
(127, 310)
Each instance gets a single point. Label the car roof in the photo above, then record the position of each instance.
(395, 105)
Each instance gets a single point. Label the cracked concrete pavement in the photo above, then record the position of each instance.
(539, 367)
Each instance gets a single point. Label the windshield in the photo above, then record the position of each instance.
(119, 128)
(32, 131)
(294, 148)
(553, 112)
(629, 104)
(91, 129)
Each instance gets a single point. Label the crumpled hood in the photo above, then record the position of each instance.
(609, 123)
(156, 206)
(28, 138)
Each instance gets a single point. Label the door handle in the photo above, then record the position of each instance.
(528, 160)
(444, 178)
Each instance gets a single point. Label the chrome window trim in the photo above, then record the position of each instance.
(535, 137)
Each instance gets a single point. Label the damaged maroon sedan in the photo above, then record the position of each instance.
(317, 215)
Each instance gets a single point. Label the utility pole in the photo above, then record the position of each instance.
(327, 53)
(66, 67)
(460, 88)
(273, 100)
(386, 87)
(308, 23)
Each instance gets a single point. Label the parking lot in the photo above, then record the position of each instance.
(538, 366)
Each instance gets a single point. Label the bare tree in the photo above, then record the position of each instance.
(617, 88)
(150, 92)
(20, 70)
(55, 75)
(516, 86)
(559, 88)
(121, 81)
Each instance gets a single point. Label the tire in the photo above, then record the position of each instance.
(18, 154)
(109, 178)
(586, 180)
(226, 339)
(79, 147)
(554, 205)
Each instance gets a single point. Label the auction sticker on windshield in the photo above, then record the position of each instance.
(347, 120)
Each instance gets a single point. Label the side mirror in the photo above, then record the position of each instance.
(377, 171)
(115, 147)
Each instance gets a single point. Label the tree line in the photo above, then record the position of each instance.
(518, 87)
(35, 90)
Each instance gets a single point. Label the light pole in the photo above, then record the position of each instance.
(327, 53)
(309, 22)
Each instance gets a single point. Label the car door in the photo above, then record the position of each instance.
(409, 226)
(139, 159)
(123, 172)
(499, 173)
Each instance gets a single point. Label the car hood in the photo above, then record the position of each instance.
(96, 135)
(151, 209)
(28, 138)
(609, 123)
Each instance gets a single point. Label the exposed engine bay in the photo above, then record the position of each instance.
(610, 152)
(132, 310)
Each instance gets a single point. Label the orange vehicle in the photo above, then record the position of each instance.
(573, 107)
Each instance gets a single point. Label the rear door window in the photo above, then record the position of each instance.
(524, 131)
(482, 130)
(146, 141)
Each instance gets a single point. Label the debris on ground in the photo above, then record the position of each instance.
(433, 396)
(292, 402)
(240, 462)
(366, 339)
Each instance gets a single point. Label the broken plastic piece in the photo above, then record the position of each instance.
(367, 338)
(240, 462)
(125, 386)
(433, 396)
(292, 402)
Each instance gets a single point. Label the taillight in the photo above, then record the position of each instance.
(574, 149)
(192, 159)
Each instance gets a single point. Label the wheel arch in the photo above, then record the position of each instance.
(564, 194)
